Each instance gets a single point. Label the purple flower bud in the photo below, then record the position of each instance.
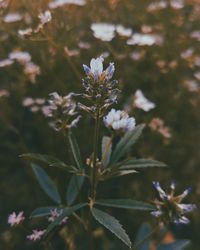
(86, 69)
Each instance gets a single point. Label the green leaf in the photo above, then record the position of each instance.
(177, 245)
(73, 188)
(106, 150)
(142, 242)
(75, 150)
(126, 203)
(141, 163)
(66, 212)
(50, 160)
(125, 143)
(118, 173)
(46, 183)
(43, 211)
(111, 224)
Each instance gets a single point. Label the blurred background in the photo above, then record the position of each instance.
(155, 46)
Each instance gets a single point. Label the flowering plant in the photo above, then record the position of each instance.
(100, 92)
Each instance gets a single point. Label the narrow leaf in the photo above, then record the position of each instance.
(106, 150)
(66, 212)
(119, 173)
(50, 161)
(75, 150)
(73, 188)
(111, 224)
(125, 143)
(126, 203)
(43, 211)
(141, 163)
(46, 183)
(142, 241)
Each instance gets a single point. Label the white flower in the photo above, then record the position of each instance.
(45, 17)
(12, 17)
(141, 102)
(103, 31)
(145, 39)
(28, 101)
(122, 31)
(36, 235)
(119, 120)
(5, 62)
(20, 56)
(58, 3)
(15, 219)
(25, 32)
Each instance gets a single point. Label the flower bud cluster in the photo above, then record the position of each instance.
(61, 111)
(100, 90)
(169, 206)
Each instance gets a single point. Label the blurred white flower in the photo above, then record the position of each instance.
(20, 56)
(15, 219)
(141, 102)
(55, 213)
(25, 32)
(28, 101)
(156, 6)
(197, 75)
(158, 125)
(12, 17)
(177, 4)
(45, 17)
(4, 93)
(6, 62)
(58, 3)
(196, 35)
(31, 70)
(36, 235)
(145, 39)
(103, 31)
(119, 120)
(191, 85)
(122, 31)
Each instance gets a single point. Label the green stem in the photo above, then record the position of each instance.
(94, 169)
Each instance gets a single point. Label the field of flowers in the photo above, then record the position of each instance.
(99, 124)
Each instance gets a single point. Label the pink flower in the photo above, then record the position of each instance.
(14, 219)
(55, 214)
(36, 235)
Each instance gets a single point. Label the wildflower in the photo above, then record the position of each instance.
(169, 206)
(119, 120)
(141, 102)
(45, 17)
(58, 3)
(61, 111)
(122, 31)
(36, 235)
(103, 31)
(15, 219)
(5, 62)
(55, 213)
(158, 125)
(20, 56)
(99, 88)
(4, 93)
(145, 39)
(26, 32)
(12, 17)
(31, 70)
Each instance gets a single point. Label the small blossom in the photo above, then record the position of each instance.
(145, 39)
(59, 3)
(122, 31)
(20, 56)
(169, 206)
(45, 17)
(12, 17)
(103, 31)
(55, 213)
(36, 235)
(158, 125)
(6, 62)
(141, 102)
(119, 120)
(31, 70)
(15, 219)
(26, 32)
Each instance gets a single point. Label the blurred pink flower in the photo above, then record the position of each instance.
(36, 235)
(15, 219)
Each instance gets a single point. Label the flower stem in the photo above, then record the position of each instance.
(94, 169)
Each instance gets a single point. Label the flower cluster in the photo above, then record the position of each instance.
(169, 206)
(36, 235)
(55, 213)
(62, 111)
(99, 88)
(119, 120)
